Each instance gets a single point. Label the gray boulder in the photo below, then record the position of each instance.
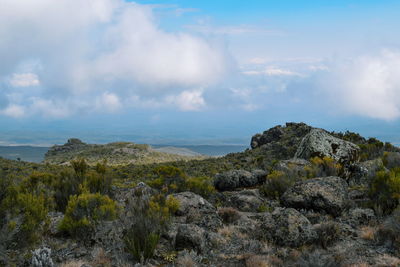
(319, 143)
(231, 180)
(288, 227)
(361, 173)
(191, 237)
(245, 200)
(189, 201)
(327, 193)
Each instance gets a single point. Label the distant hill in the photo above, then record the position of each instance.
(115, 153)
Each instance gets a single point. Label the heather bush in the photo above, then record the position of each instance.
(321, 167)
(85, 211)
(276, 184)
(229, 215)
(151, 218)
(391, 160)
(389, 231)
(384, 190)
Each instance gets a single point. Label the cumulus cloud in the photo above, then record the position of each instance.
(24, 80)
(86, 49)
(188, 100)
(366, 85)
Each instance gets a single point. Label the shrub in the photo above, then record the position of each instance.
(384, 190)
(316, 259)
(389, 231)
(327, 234)
(276, 184)
(202, 185)
(321, 167)
(26, 213)
(85, 211)
(151, 217)
(229, 215)
(67, 184)
(391, 160)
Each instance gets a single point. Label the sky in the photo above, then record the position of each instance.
(196, 72)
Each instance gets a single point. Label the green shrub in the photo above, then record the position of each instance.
(26, 213)
(276, 184)
(151, 218)
(391, 160)
(67, 184)
(85, 211)
(384, 190)
(99, 180)
(202, 185)
(321, 167)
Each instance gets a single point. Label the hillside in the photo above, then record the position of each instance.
(117, 153)
(301, 196)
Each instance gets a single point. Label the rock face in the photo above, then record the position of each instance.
(288, 227)
(42, 258)
(238, 178)
(361, 173)
(318, 143)
(329, 194)
(245, 200)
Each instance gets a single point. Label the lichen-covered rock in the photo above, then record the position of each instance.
(42, 258)
(245, 200)
(329, 194)
(319, 143)
(361, 173)
(358, 216)
(191, 237)
(190, 201)
(233, 179)
(288, 227)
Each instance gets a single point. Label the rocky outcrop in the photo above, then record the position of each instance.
(329, 194)
(42, 258)
(293, 131)
(190, 201)
(231, 180)
(288, 227)
(361, 173)
(319, 143)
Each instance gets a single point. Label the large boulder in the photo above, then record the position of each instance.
(319, 143)
(361, 173)
(233, 179)
(191, 237)
(190, 201)
(288, 227)
(329, 194)
(245, 200)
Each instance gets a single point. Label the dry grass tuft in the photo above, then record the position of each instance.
(186, 261)
(73, 263)
(258, 261)
(368, 233)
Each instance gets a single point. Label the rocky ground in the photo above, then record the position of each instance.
(323, 217)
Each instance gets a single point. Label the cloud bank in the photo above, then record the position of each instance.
(68, 56)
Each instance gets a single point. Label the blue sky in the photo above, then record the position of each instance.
(196, 71)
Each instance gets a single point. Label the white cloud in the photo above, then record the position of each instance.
(188, 100)
(108, 102)
(87, 48)
(14, 111)
(367, 85)
(272, 71)
(24, 80)
(231, 30)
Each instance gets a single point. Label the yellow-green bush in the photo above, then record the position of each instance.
(384, 189)
(321, 167)
(276, 184)
(85, 211)
(29, 210)
(202, 185)
(152, 216)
